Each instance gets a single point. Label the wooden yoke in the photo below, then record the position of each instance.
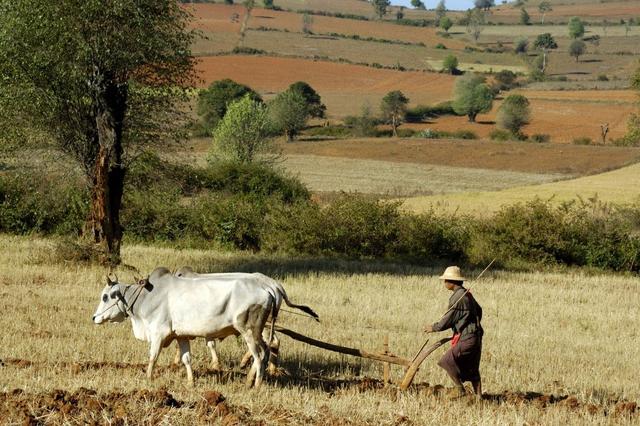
(417, 361)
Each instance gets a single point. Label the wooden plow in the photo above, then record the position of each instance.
(411, 365)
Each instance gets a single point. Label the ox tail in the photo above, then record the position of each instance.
(274, 315)
(303, 308)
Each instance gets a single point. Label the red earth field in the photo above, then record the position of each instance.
(216, 18)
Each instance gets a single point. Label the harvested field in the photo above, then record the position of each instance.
(590, 11)
(513, 156)
(344, 88)
(71, 371)
(216, 18)
(619, 186)
(399, 179)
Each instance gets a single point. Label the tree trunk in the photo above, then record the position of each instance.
(472, 117)
(108, 176)
(394, 127)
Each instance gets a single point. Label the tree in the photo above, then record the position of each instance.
(543, 8)
(315, 107)
(214, 101)
(576, 28)
(577, 48)
(100, 81)
(521, 45)
(243, 131)
(472, 96)
(514, 113)
(417, 4)
(446, 23)
(380, 7)
(307, 23)
(394, 108)
(525, 19)
(450, 64)
(484, 4)
(268, 4)
(441, 10)
(475, 21)
(289, 113)
(545, 42)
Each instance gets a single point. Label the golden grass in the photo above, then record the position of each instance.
(327, 174)
(618, 186)
(560, 333)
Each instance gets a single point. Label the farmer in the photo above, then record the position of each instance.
(462, 360)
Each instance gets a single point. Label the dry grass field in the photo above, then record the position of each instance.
(589, 10)
(533, 158)
(397, 179)
(558, 348)
(620, 186)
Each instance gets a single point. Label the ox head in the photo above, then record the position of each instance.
(111, 307)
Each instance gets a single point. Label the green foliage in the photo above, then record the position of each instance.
(445, 23)
(394, 108)
(582, 140)
(314, 103)
(441, 46)
(500, 135)
(540, 138)
(214, 101)
(635, 80)
(31, 202)
(576, 28)
(450, 64)
(578, 233)
(441, 10)
(514, 113)
(380, 7)
(484, 4)
(632, 137)
(505, 80)
(545, 41)
(417, 4)
(423, 112)
(442, 134)
(525, 19)
(472, 96)
(602, 77)
(289, 113)
(268, 4)
(243, 132)
(543, 7)
(577, 48)
(521, 45)
(363, 125)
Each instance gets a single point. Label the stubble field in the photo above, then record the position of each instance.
(557, 349)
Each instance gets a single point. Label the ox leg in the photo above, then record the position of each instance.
(215, 362)
(246, 359)
(185, 356)
(255, 372)
(154, 351)
(176, 359)
(274, 354)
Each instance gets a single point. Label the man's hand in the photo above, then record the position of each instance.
(428, 329)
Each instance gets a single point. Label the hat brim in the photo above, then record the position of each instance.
(452, 278)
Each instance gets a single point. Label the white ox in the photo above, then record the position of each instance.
(165, 307)
(269, 337)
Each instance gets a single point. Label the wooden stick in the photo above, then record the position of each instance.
(386, 369)
(392, 359)
(415, 365)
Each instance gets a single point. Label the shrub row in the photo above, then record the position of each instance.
(581, 233)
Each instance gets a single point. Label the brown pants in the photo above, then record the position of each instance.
(463, 359)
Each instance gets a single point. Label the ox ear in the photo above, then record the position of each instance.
(112, 281)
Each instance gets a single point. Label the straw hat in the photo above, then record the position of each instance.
(452, 273)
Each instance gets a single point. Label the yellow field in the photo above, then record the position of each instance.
(558, 347)
(618, 186)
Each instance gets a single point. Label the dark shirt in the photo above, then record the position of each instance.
(464, 318)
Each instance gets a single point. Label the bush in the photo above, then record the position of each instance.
(441, 46)
(540, 138)
(500, 135)
(513, 113)
(603, 77)
(31, 202)
(583, 140)
(450, 64)
(575, 233)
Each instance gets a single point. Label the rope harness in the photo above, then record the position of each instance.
(128, 307)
